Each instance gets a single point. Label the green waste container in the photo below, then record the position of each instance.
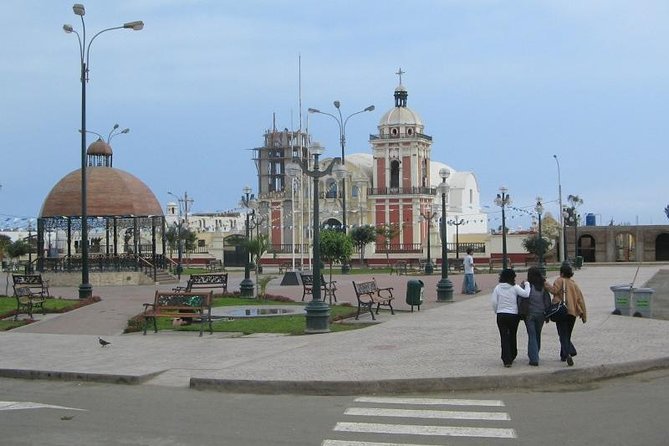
(415, 293)
(622, 299)
(641, 301)
(578, 262)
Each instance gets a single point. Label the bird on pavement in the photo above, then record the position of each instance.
(103, 343)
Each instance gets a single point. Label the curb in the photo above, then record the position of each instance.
(77, 376)
(425, 385)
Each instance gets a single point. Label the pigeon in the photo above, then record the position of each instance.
(103, 343)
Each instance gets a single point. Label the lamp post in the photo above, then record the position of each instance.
(457, 223)
(445, 286)
(179, 239)
(246, 286)
(428, 216)
(317, 310)
(562, 245)
(503, 199)
(85, 289)
(342, 141)
(539, 208)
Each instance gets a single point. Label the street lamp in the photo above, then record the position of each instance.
(342, 140)
(85, 289)
(457, 222)
(293, 171)
(445, 286)
(429, 268)
(563, 244)
(540, 210)
(503, 199)
(179, 239)
(246, 286)
(317, 310)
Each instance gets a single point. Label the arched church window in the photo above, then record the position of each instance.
(331, 189)
(394, 132)
(395, 173)
(409, 132)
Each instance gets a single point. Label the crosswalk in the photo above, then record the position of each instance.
(374, 420)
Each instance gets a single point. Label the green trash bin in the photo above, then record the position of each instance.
(641, 301)
(578, 262)
(622, 299)
(415, 293)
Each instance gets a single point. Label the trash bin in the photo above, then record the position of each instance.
(578, 262)
(415, 293)
(622, 299)
(641, 300)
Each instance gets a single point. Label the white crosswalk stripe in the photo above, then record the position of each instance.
(367, 421)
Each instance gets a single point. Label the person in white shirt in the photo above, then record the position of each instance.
(469, 286)
(504, 301)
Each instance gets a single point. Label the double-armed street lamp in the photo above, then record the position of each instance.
(179, 236)
(502, 200)
(445, 286)
(428, 217)
(563, 243)
(85, 289)
(341, 121)
(317, 310)
(248, 201)
(457, 222)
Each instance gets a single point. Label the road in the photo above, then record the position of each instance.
(625, 411)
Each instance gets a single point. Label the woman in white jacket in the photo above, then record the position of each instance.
(505, 304)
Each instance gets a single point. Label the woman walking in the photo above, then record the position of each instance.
(539, 300)
(505, 304)
(566, 290)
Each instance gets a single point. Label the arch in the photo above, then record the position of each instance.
(395, 174)
(331, 188)
(586, 247)
(332, 223)
(625, 247)
(662, 247)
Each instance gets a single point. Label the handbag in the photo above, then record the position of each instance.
(523, 306)
(557, 312)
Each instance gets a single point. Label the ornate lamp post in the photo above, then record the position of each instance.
(428, 216)
(457, 222)
(502, 200)
(563, 244)
(539, 208)
(445, 286)
(317, 310)
(85, 289)
(342, 141)
(248, 200)
(180, 249)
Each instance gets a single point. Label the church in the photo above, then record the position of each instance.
(394, 185)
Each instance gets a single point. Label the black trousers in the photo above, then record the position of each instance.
(564, 329)
(508, 328)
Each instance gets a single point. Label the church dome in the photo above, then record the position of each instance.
(110, 192)
(401, 116)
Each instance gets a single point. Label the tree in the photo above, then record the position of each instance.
(17, 249)
(4, 242)
(362, 236)
(536, 245)
(188, 237)
(257, 247)
(388, 232)
(335, 246)
(666, 211)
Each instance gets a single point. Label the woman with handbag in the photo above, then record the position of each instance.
(565, 290)
(504, 300)
(537, 302)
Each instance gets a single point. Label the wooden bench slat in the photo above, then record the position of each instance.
(373, 293)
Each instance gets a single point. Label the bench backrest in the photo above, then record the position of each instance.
(365, 287)
(27, 279)
(208, 280)
(178, 300)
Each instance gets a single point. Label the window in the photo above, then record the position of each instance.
(331, 189)
(395, 173)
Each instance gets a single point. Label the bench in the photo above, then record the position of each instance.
(498, 263)
(287, 265)
(456, 265)
(205, 281)
(181, 305)
(400, 267)
(215, 265)
(32, 281)
(27, 301)
(369, 294)
(328, 289)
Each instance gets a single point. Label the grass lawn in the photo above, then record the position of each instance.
(8, 306)
(293, 324)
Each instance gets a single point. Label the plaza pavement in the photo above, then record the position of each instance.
(445, 346)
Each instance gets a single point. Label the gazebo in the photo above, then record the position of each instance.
(126, 225)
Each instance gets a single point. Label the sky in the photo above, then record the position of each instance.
(501, 86)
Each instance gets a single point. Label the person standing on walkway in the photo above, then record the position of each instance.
(566, 290)
(469, 285)
(504, 300)
(539, 300)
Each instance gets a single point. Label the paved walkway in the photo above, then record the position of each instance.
(445, 346)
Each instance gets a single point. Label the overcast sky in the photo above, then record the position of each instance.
(501, 87)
